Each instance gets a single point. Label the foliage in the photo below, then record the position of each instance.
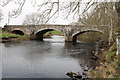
(109, 66)
(55, 32)
(109, 56)
(50, 33)
(89, 37)
(107, 69)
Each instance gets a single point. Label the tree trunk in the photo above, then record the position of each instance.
(118, 11)
(117, 5)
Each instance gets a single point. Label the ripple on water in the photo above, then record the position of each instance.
(51, 58)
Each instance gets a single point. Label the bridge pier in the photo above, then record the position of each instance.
(74, 39)
(35, 37)
(70, 31)
(70, 39)
(39, 37)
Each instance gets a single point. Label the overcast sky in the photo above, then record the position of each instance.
(28, 9)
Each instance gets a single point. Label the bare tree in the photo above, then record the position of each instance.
(48, 7)
(102, 14)
(18, 10)
(34, 19)
(117, 6)
(52, 9)
(1, 15)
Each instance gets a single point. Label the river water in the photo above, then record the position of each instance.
(51, 58)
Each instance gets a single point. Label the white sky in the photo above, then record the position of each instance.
(28, 9)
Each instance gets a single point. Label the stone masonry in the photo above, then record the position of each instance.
(70, 31)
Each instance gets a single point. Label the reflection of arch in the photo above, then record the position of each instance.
(81, 32)
(39, 34)
(19, 32)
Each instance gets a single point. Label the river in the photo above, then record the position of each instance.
(51, 58)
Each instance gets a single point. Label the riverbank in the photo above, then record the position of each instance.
(109, 64)
(8, 37)
(51, 33)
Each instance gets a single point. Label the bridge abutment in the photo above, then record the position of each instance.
(40, 37)
(35, 37)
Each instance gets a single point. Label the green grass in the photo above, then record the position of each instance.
(50, 33)
(0, 31)
(112, 66)
(112, 59)
(109, 53)
(55, 32)
(4, 34)
(109, 56)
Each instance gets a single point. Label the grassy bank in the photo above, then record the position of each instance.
(6, 36)
(109, 66)
(56, 32)
(49, 34)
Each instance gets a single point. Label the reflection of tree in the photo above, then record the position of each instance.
(10, 44)
(37, 50)
(80, 52)
(32, 51)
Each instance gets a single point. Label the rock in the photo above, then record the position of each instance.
(86, 69)
(94, 58)
(74, 75)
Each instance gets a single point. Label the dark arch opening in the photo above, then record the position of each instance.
(18, 32)
(42, 34)
(88, 36)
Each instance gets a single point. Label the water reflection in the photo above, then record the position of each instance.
(51, 58)
(80, 51)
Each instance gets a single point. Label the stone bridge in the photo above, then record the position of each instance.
(70, 31)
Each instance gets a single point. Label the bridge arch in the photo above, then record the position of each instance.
(74, 36)
(39, 33)
(18, 31)
(49, 29)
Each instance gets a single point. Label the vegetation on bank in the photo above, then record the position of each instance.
(89, 37)
(55, 32)
(6, 36)
(50, 33)
(109, 65)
